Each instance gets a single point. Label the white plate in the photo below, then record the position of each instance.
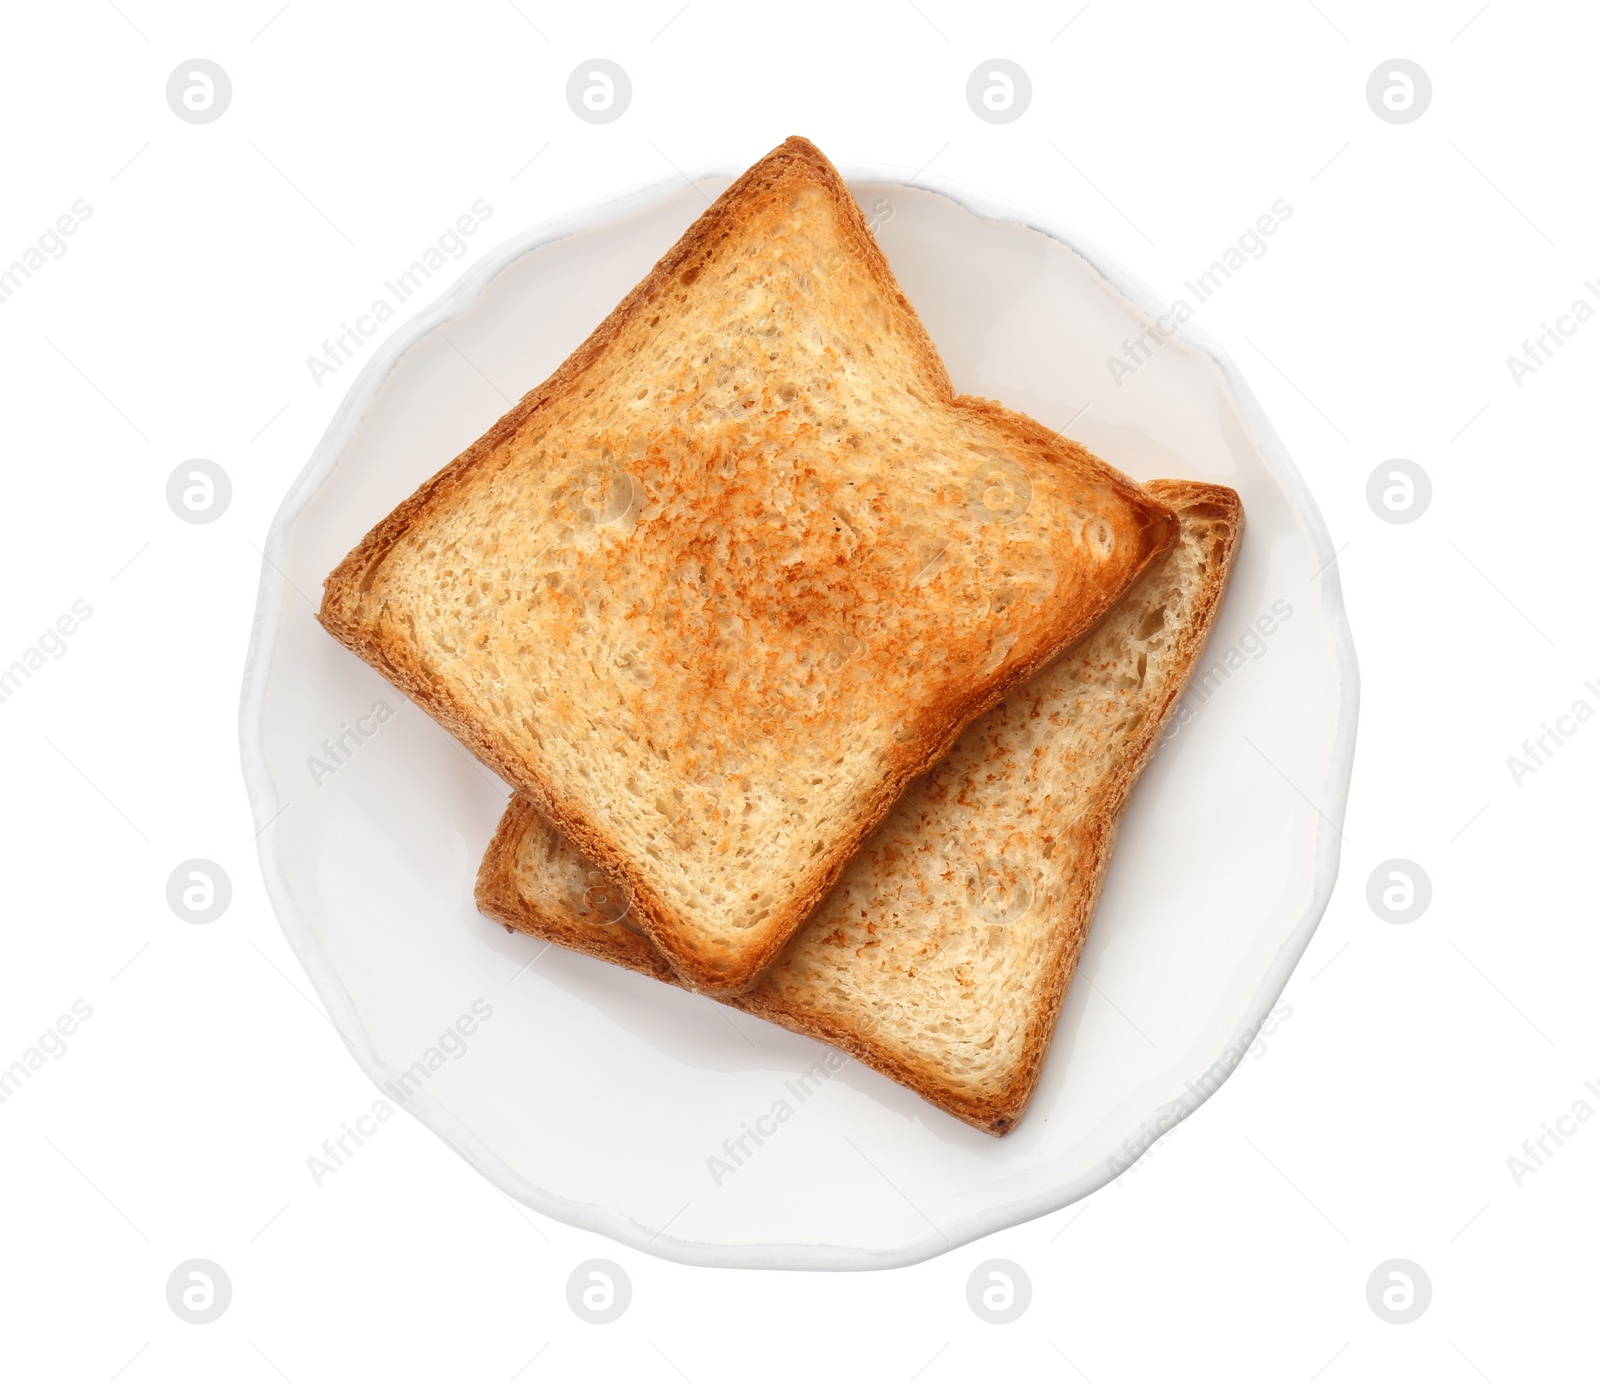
(602, 1098)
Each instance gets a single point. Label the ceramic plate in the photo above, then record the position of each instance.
(625, 1106)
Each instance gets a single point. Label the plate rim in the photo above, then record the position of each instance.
(265, 810)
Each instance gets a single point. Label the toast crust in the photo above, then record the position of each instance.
(569, 922)
(346, 612)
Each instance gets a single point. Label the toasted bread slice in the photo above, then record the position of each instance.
(744, 566)
(942, 956)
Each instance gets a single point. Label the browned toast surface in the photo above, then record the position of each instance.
(743, 567)
(943, 954)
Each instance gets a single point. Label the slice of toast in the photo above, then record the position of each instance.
(942, 956)
(744, 566)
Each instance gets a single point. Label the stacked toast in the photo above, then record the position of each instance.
(820, 688)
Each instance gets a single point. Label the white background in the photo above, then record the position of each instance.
(1375, 1123)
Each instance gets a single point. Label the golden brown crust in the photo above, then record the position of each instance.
(999, 1115)
(500, 897)
(929, 738)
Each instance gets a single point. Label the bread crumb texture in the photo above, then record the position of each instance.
(943, 953)
(744, 566)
